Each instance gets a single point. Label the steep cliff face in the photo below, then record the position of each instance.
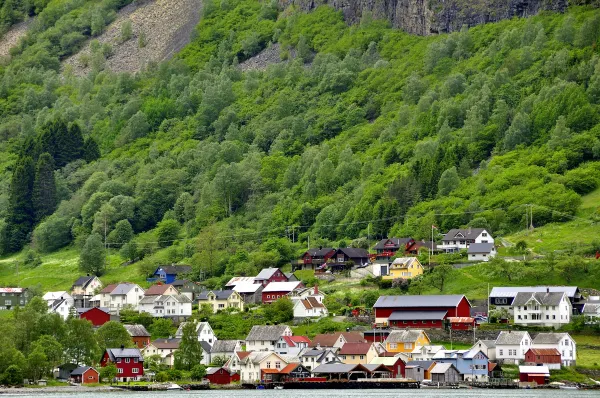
(425, 17)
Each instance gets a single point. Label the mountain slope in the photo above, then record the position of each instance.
(383, 134)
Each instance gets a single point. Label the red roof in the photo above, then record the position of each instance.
(289, 368)
(355, 348)
(109, 288)
(544, 351)
(157, 290)
(270, 370)
(461, 319)
(243, 354)
(293, 340)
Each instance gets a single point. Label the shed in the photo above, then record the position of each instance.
(221, 375)
(543, 356)
(64, 371)
(461, 322)
(534, 374)
(85, 375)
(445, 373)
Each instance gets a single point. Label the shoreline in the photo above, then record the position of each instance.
(56, 390)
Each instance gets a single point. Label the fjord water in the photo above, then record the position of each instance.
(422, 393)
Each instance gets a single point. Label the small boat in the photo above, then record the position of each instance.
(174, 386)
(278, 388)
(260, 387)
(568, 387)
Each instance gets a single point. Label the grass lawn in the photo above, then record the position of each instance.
(588, 351)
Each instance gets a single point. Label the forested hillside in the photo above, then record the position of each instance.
(365, 131)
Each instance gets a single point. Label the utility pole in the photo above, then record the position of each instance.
(526, 217)
(369, 236)
(308, 248)
(531, 216)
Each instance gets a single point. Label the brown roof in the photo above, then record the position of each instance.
(157, 290)
(243, 354)
(329, 339)
(109, 288)
(355, 348)
(289, 368)
(311, 302)
(166, 344)
(544, 351)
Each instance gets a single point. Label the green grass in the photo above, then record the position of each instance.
(569, 375)
(588, 351)
(551, 237)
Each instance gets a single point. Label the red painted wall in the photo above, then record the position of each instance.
(418, 325)
(531, 357)
(222, 376)
(277, 296)
(96, 316)
(531, 378)
(399, 368)
(462, 309)
(126, 366)
(141, 341)
(462, 326)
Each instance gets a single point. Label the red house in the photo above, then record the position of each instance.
(395, 364)
(98, 316)
(85, 375)
(269, 275)
(313, 258)
(139, 335)
(534, 374)
(276, 290)
(221, 376)
(543, 356)
(129, 362)
(420, 312)
(461, 323)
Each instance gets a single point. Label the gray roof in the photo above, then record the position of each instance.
(488, 343)
(124, 288)
(512, 337)
(81, 370)
(553, 298)
(549, 338)
(354, 252)
(418, 301)
(137, 331)
(206, 346)
(148, 299)
(417, 315)
(210, 371)
(396, 241)
(200, 326)
(441, 367)
(265, 274)
(511, 291)
(221, 294)
(266, 332)
(83, 281)
(423, 364)
(475, 248)
(124, 353)
(590, 308)
(468, 233)
(403, 336)
(225, 346)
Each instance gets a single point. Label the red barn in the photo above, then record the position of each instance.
(276, 290)
(221, 376)
(543, 356)
(461, 322)
(534, 374)
(419, 312)
(129, 362)
(85, 375)
(98, 316)
(269, 275)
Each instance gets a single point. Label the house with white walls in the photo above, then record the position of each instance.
(511, 346)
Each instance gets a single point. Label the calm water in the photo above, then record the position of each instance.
(423, 393)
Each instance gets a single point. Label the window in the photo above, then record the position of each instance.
(268, 365)
(501, 301)
(118, 360)
(553, 316)
(424, 322)
(501, 351)
(127, 360)
(393, 346)
(120, 370)
(278, 365)
(135, 370)
(362, 357)
(135, 360)
(353, 357)
(407, 345)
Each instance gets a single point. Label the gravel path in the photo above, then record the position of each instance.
(167, 25)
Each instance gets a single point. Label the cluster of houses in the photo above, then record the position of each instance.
(396, 257)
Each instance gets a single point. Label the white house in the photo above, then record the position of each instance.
(458, 239)
(563, 342)
(225, 349)
(51, 297)
(425, 352)
(255, 362)
(542, 309)
(311, 358)
(234, 363)
(86, 286)
(309, 307)
(488, 347)
(291, 345)
(481, 251)
(62, 307)
(203, 330)
(511, 346)
(265, 337)
(167, 306)
(163, 347)
(123, 295)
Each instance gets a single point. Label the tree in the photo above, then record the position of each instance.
(52, 349)
(36, 363)
(190, 351)
(109, 372)
(91, 151)
(413, 89)
(162, 328)
(168, 232)
(449, 181)
(122, 233)
(218, 360)
(64, 142)
(198, 372)
(92, 256)
(111, 335)
(441, 275)
(80, 342)
(303, 50)
(13, 376)
(505, 269)
(21, 214)
(184, 207)
(279, 311)
(44, 187)
(519, 131)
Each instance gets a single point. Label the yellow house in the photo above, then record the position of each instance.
(406, 341)
(405, 268)
(221, 299)
(357, 353)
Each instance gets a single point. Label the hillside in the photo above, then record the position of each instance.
(368, 132)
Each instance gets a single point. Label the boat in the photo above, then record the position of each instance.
(278, 388)
(174, 386)
(568, 387)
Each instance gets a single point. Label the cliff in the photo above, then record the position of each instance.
(425, 17)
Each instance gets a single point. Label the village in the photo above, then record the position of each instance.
(392, 345)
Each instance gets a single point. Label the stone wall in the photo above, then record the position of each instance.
(425, 17)
(461, 336)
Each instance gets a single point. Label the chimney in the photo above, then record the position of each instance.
(347, 330)
(318, 346)
(320, 247)
(87, 274)
(122, 347)
(547, 290)
(316, 289)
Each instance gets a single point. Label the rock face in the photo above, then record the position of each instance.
(425, 17)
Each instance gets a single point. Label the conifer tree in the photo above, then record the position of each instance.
(20, 212)
(91, 151)
(44, 187)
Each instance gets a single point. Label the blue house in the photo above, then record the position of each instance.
(169, 273)
(471, 364)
